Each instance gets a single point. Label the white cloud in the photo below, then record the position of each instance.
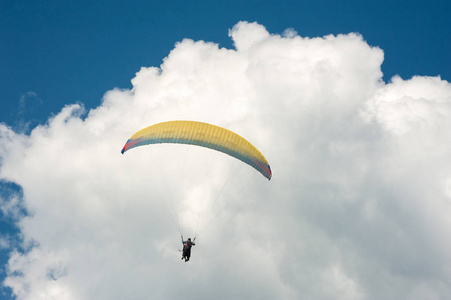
(358, 207)
(421, 104)
(4, 243)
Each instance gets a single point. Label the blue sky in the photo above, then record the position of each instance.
(59, 52)
(56, 53)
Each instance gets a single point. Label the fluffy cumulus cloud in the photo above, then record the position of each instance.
(358, 207)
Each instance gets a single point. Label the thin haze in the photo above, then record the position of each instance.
(358, 207)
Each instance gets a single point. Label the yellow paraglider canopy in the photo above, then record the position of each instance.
(204, 135)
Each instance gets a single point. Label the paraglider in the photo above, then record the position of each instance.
(204, 135)
(186, 252)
